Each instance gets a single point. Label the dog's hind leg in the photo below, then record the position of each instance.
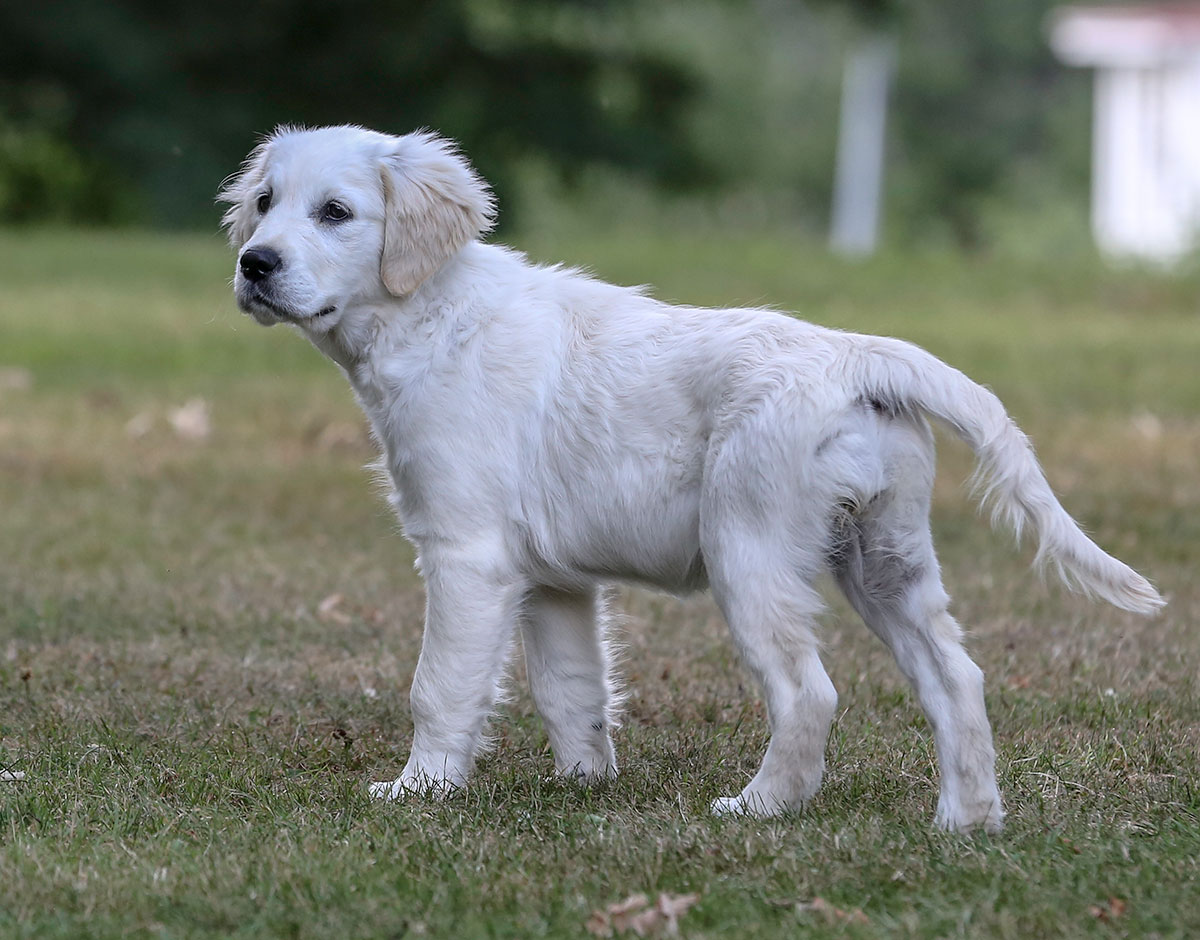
(566, 658)
(771, 609)
(885, 564)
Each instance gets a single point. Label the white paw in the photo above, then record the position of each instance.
(589, 772)
(387, 790)
(413, 785)
(989, 817)
(747, 804)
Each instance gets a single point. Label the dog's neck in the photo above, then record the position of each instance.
(404, 320)
(348, 342)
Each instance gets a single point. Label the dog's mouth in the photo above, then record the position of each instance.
(261, 307)
(316, 321)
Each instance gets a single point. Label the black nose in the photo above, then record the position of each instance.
(257, 263)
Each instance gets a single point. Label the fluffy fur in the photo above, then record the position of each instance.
(546, 432)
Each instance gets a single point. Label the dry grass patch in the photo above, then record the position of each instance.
(206, 641)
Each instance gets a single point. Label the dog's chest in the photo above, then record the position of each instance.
(433, 448)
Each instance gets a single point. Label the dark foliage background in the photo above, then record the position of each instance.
(163, 97)
(132, 111)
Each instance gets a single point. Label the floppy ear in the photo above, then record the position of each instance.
(434, 204)
(239, 191)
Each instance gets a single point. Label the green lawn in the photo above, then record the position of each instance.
(196, 710)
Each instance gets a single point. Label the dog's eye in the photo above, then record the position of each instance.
(334, 212)
(264, 202)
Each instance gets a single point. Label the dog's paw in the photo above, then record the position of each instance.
(989, 817)
(746, 804)
(761, 799)
(412, 785)
(387, 790)
(589, 774)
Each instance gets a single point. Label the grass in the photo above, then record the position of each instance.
(196, 713)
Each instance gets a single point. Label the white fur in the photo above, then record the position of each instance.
(546, 432)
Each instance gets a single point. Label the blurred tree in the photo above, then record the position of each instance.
(43, 178)
(165, 98)
(117, 109)
(978, 98)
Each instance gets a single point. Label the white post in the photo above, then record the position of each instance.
(858, 183)
(1120, 170)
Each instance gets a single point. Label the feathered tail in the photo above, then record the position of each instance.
(904, 376)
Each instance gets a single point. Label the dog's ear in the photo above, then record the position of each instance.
(240, 191)
(434, 205)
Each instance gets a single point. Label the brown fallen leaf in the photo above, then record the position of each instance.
(372, 615)
(342, 436)
(832, 914)
(1108, 912)
(637, 914)
(191, 420)
(329, 610)
(1148, 425)
(139, 425)
(598, 925)
(15, 379)
(665, 913)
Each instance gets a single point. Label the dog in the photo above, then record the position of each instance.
(545, 432)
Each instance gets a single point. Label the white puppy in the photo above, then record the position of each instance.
(545, 432)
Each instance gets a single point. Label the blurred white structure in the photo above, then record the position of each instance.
(1146, 138)
(862, 140)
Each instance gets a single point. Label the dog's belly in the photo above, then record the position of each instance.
(660, 552)
(644, 529)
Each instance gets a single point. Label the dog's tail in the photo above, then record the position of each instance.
(901, 377)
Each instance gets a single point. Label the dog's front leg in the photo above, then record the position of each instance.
(567, 659)
(471, 610)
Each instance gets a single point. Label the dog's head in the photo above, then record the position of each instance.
(330, 219)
